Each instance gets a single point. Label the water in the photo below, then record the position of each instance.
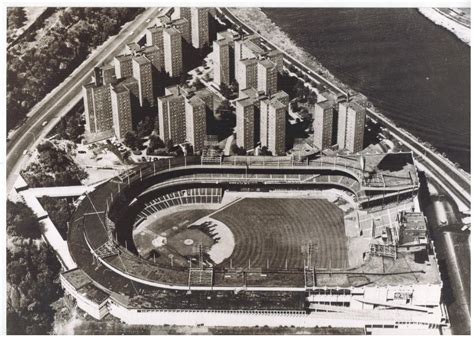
(418, 73)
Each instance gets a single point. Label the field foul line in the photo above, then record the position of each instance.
(224, 207)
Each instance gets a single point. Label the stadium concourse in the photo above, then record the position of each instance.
(312, 240)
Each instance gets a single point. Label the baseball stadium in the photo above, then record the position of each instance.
(251, 239)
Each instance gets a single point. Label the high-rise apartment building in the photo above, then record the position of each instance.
(123, 66)
(172, 116)
(273, 124)
(199, 26)
(97, 107)
(246, 73)
(221, 62)
(185, 13)
(323, 114)
(142, 72)
(155, 55)
(351, 126)
(245, 123)
(154, 36)
(277, 58)
(173, 52)
(196, 129)
(267, 76)
(183, 25)
(122, 98)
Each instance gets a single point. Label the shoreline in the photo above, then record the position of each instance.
(462, 33)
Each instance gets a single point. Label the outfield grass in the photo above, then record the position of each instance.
(273, 230)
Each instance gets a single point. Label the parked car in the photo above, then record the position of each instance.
(44, 123)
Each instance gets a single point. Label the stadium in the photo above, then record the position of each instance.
(251, 238)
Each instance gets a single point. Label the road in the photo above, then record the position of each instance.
(457, 182)
(68, 92)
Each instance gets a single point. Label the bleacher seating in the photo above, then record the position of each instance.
(181, 197)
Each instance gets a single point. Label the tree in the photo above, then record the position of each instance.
(155, 143)
(21, 221)
(265, 152)
(32, 286)
(226, 91)
(169, 145)
(236, 150)
(54, 167)
(145, 127)
(224, 109)
(16, 17)
(312, 98)
(59, 210)
(131, 140)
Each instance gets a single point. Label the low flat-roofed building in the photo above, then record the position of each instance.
(413, 230)
(89, 298)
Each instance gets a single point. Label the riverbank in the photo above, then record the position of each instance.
(441, 19)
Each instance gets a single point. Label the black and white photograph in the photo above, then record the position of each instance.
(254, 168)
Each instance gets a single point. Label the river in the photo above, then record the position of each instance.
(418, 73)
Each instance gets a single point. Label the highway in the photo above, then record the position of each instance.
(66, 94)
(455, 181)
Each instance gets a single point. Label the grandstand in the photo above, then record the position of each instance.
(177, 198)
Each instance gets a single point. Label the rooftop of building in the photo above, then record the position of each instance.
(141, 60)
(228, 35)
(124, 57)
(76, 277)
(173, 90)
(195, 101)
(274, 52)
(171, 31)
(93, 293)
(107, 67)
(124, 84)
(267, 63)
(155, 28)
(354, 106)
(413, 220)
(247, 62)
(390, 169)
(149, 49)
(280, 95)
(325, 104)
(221, 42)
(245, 102)
(250, 93)
(253, 43)
(133, 46)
